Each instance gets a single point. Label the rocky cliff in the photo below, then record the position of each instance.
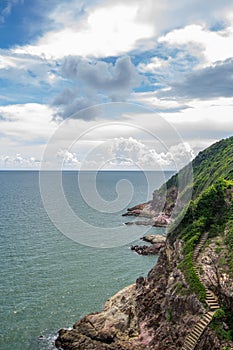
(186, 301)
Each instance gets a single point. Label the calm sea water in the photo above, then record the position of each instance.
(48, 281)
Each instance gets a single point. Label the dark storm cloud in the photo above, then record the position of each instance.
(70, 103)
(117, 81)
(96, 82)
(207, 83)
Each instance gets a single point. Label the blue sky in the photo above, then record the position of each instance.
(59, 58)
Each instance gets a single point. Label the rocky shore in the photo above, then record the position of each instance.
(155, 313)
(157, 243)
(158, 211)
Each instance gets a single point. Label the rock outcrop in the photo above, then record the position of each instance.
(158, 210)
(157, 243)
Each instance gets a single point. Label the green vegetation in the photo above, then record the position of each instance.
(169, 315)
(210, 210)
(208, 213)
(213, 163)
(220, 319)
(195, 285)
(229, 243)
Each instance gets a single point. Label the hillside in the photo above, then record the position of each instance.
(171, 198)
(186, 301)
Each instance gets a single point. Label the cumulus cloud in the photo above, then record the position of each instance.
(210, 82)
(106, 29)
(67, 158)
(129, 153)
(99, 81)
(69, 102)
(118, 80)
(209, 46)
(18, 161)
(25, 69)
(138, 153)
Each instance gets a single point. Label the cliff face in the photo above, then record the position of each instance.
(157, 312)
(186, 300)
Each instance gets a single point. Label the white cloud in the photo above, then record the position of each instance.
(107, 31)
(68, 158)
(150, 99)
(127, 153)
(27, 69)
(27, 122)
(6, 62)
(198, 40)
(18, 161)
(154, 65)
(204, 122)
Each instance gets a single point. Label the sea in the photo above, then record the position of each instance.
(49, 279)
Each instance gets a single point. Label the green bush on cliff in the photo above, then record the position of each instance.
(209, 210)
(229, 243)
(220, 319)
(211, 164)
(192, 278)
(229, 236)
(191, 244)
(208, 213)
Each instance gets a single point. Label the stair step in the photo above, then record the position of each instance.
(199, 327)
(203, 322)
(210, 294)
(207, 317)
(192, 341)
(196, 333)
(211, 301)
(191, 338)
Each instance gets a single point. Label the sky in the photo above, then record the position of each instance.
(95, 84)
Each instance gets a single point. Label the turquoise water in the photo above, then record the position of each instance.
(48, 281)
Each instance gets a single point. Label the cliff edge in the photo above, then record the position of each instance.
(186, 300)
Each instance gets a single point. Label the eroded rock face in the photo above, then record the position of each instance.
(114, 328)
(169, 314)
(145, 315)
(155, 313)
(158, 211)
(157, 243)
(154, 239)
(153, 249)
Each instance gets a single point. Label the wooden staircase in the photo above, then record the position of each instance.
(211, 300)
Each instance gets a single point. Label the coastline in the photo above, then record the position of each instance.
(186, 300)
